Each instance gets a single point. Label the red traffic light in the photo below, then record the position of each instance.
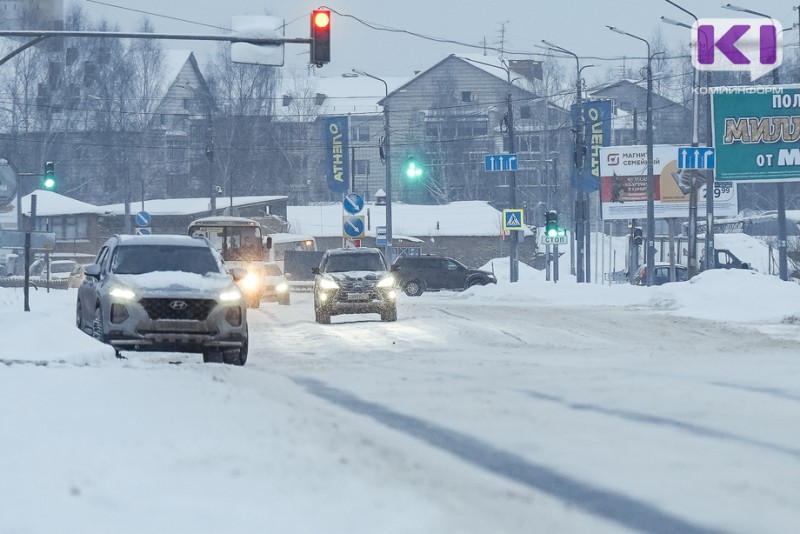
(320, 37)
(321, 18)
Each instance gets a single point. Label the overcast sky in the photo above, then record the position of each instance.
(578, 25)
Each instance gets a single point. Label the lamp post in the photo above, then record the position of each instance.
(581, 194)
(388, 155)
(650, 246)
(693, 267)
(783, 265)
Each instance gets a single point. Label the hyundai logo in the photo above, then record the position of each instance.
(178, 305)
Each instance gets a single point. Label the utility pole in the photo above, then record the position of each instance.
(514, 256)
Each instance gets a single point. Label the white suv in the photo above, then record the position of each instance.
(164, 293)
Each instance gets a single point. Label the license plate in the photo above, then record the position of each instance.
(357, 296)
(180, 326)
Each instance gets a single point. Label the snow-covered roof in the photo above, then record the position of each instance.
(338, 95)
(467, 218)
(186, 206)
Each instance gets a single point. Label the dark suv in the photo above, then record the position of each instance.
(168, 293)
(433, 273)
(353, 280)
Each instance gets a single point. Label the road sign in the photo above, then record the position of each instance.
(353, 226)
(380, 236)
(696, 158)
(143, 230)
(555, 240)
(501, 162)
(9, 182)
(143, 218)
(16, 239)
(353, 203)
(513, 219)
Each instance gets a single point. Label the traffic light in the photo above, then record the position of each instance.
(637, 235)
(551, 223)
(49, 178)
(412, 170)
(320, 37)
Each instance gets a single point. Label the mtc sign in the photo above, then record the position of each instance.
(757, 134)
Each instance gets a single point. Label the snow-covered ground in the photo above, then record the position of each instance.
(527, 407)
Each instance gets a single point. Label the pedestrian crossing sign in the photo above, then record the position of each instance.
(513, 219)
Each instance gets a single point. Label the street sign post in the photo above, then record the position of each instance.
(555, 240)
(501, 162)
(353, 203)
(380, 236)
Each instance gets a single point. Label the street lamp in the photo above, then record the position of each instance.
(692, 230)
(514, 252)
(650, 247)
(581, 239)
(782, 239)
(387, 152)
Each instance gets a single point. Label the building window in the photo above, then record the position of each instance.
(467, 96)
(186, 103)
(65, 227)
(362, 167)
(359, 133)
(525, 112)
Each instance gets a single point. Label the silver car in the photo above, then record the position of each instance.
(164, 293)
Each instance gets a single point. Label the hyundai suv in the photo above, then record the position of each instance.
(168, 293)
(417, 274)
(353, 280)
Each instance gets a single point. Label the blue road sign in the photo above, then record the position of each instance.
(353, 226)
(143, 231)
(353, 203)
(513, 219)
(143, 218)
(696, 158)
(501, 162)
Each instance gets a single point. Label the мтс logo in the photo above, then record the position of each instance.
(752, 44)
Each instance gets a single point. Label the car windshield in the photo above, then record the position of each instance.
(141, 259)
(338, 263)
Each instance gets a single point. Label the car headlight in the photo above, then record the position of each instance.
(327, 283)
(283, 287)
(387, 281)
(232, 295)
(122, 293)
(250, 281)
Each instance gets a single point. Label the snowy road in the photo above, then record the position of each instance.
(467, 415)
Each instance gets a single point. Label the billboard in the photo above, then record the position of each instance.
(337, 153)
(596, 134)
(757, 133)
(623, 185)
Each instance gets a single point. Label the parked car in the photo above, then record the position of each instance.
(276, 288)
(354, 280)
(661, 275)
(164, 293)
(59, 269)
(417, 274)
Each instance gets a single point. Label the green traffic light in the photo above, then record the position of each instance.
(49, 182)
(412, 171)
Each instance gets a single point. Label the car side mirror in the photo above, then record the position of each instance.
(394, 268)
(92, 270)
(268, 242)
(238, 273)
(315, 270)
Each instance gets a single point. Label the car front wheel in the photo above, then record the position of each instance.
(413, 288)
(389, 314)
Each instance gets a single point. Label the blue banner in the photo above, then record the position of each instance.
(337, 160)
(596, 134)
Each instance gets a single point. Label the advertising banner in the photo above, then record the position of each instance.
(623, 185)
(337, 159)
(757, 133)
(596, 134)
